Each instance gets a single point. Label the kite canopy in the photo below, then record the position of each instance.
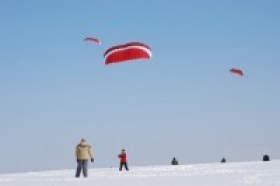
(236, 71)
(93, 39)
(127, 51)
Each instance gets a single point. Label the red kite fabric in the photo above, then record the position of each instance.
(93, 39)
(237, 71)
(127, 51)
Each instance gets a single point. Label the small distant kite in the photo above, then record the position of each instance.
(93, 39)
(127, 51)
(237, 71)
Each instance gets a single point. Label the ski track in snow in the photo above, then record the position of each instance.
(229, 174)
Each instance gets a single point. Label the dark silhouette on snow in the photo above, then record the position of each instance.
(223, 160)
(174, 161)
(266, 158)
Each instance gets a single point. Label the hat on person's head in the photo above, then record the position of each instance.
(83, 139)
(123, 150)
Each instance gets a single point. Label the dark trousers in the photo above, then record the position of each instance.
(82, 165)
(123, 164)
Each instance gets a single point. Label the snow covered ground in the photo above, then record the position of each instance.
(229, 174)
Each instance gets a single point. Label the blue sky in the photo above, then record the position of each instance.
(55, 88)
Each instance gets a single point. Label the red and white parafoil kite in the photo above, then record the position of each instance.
(127, 51)
(93, 39)
(236, 71)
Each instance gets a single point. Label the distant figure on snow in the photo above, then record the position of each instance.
(83, 154)
(123, 160)
(266, 158)
(174, 161)
(223, 160)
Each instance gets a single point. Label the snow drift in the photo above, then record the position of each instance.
(228, 174)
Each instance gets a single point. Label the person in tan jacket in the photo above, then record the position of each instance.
(83, 154)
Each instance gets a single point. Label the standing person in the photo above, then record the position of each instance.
(83, 154)
(123, 160)
(174, 161)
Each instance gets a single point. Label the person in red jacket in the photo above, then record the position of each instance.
(123, 160)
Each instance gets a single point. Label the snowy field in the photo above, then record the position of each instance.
(229, 174)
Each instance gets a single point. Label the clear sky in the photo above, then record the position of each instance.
(55, 88)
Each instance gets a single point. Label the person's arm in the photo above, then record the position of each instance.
(77, 153)
(91, 154)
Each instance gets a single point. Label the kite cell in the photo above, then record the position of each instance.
(236, 71)
(93, 39)
(127, 51)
